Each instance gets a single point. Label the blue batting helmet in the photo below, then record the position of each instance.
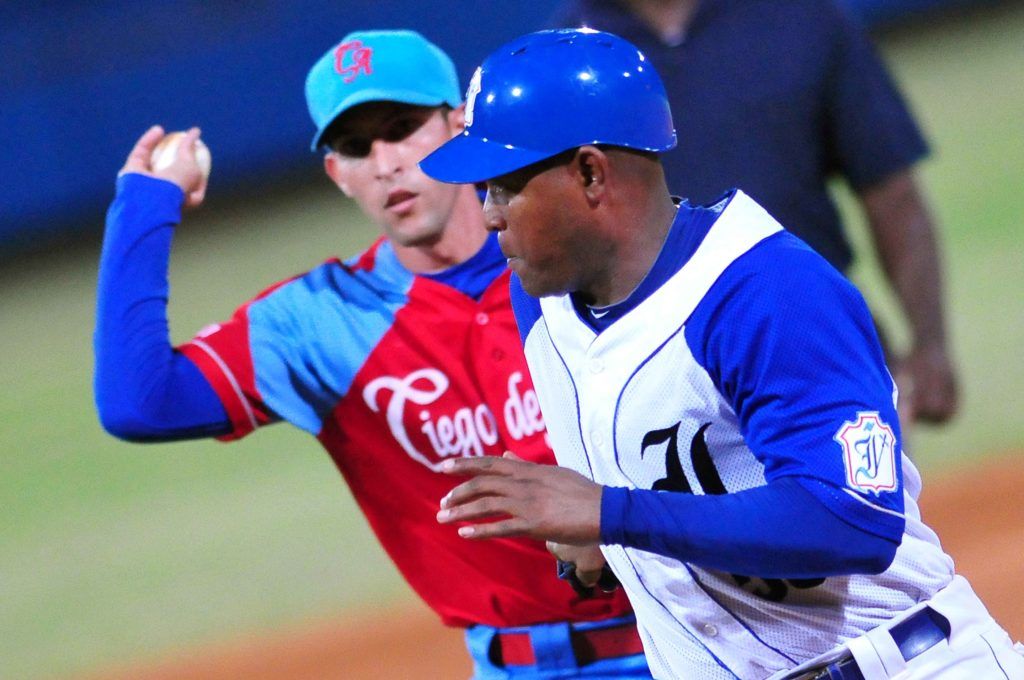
(551, 91)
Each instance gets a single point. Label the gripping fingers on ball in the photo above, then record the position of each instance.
(138, 157)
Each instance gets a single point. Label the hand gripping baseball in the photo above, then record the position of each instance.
(186, 169)
(544, 502)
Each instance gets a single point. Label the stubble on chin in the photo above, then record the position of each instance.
(538, 288)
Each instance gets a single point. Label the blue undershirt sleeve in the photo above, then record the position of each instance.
(144, 389)
(776, 531)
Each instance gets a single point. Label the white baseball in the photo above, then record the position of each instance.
(166, 148)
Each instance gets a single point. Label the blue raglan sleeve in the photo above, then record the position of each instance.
(144, 390)
(792, 347)
(525, 308)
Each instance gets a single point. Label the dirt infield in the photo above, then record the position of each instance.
(977, 514)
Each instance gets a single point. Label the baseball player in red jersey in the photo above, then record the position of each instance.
(396, 359)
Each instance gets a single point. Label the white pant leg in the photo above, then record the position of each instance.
(977, 648)
(988, 655)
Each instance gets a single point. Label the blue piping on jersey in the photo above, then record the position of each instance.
(615, 448)
(618, 400)
(736, 616)
(682, 626)
(576, 396)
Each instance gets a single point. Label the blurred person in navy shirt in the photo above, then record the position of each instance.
(777, 98)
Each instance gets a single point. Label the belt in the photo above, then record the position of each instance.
(588, 645)
(918, 633)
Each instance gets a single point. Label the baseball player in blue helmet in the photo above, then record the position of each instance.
(714, 391)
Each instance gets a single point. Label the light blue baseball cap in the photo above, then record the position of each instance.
(395, 66)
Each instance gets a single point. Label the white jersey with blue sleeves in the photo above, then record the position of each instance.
(726, 376)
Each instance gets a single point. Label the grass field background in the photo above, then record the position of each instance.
(111, 552)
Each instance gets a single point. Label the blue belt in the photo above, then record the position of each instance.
(918, 633)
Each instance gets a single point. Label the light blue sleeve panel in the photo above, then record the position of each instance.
(310, 337)
(792, 346)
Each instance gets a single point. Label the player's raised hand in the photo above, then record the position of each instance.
(544, 502)
(184, 169)
(139, 156)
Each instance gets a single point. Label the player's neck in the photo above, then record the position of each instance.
(462, 238)
(667, 19)
(632, 252)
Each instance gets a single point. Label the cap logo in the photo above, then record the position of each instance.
(471, 93)
(358, 58)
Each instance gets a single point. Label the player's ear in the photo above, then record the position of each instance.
(336, 171)
(457, 119)
(590, 169)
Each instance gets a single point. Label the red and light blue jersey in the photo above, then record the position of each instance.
(394, 373)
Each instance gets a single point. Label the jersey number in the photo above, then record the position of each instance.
(675, 479)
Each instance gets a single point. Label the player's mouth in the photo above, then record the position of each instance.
(400, 201)
(508, 257)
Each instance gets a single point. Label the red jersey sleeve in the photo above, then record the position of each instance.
(222, 353)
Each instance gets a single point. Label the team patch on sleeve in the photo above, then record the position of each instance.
(869, 453)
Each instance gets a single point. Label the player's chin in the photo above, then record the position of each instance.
(535, 284)
(413, 234)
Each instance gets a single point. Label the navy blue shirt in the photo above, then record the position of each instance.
(774, 97)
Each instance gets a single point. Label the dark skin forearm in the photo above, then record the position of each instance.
(907, 248)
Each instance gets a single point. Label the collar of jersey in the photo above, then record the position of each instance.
(688, 230)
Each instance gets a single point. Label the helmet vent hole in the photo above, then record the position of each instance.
(519, 51)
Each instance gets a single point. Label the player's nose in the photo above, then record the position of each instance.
(494, 215)
(385, 158)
